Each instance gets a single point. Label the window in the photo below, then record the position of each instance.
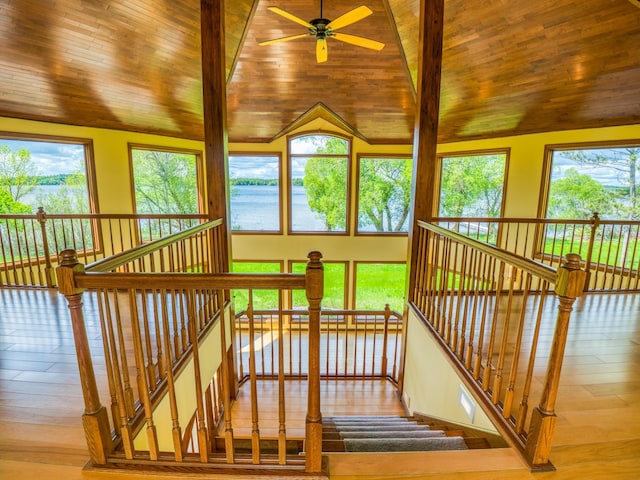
(254, 183)
(583, 180)
(262, 299)
(472, 184)
(165, 181)
(378, 284)
(318, 173)
(334, 285)
(56, 174)
(384, 194)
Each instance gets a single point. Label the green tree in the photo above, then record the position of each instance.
(625, 162)
(472, 186)
(384, 187)
(165, 182)
(326, 186)
(17, 172)
(325, 180)
(9, 205)
(577, 196)
(384, 194)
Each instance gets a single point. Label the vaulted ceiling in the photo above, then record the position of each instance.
(509, 67)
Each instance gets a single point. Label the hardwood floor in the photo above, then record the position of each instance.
(598, 433)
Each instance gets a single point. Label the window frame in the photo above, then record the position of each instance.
(347, 156)
(200, 192)
(280, 230)
(506, 151)
(547, 164)
(89, 160)
(354, 284)
(358, 232)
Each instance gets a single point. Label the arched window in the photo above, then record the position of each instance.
(319, 183)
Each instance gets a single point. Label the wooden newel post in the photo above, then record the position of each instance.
(569, 285)
(314, 287)
(94, 419)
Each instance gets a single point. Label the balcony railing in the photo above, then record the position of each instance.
(485, 306)
(29, 244)
(353, 343)
(610, 249)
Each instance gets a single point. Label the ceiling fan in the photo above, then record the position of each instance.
(322, 28)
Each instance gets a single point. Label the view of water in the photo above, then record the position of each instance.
(253, 207)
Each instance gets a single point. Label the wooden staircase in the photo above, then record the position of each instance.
(392, 434)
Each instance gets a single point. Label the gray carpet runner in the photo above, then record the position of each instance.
(387, 434)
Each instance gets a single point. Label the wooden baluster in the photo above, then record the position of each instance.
(176, 431)
(385, 338)
(203, 435)
(314, 288)
(513, 374)
(226, 382)
(143, 382)
(524, 402)
(255, 430)
(124, 397)
(95, 419)
(595, 224)
(502, 352)
(569, 285)
(282, 431)
(48, 269)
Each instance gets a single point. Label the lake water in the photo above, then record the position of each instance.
(256, 207)
(253, 207)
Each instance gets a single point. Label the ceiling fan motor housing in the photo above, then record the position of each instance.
(320, 29)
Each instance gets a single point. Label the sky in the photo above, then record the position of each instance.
(605, 175)
(51, 158)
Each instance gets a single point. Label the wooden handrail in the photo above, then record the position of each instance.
(191, 280)
(115, 261)
(536, 268)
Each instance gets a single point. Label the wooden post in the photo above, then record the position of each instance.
(314, 287)
(94, 419)
(214, 104)
(425, 139)
(569, 285)
(41, 216)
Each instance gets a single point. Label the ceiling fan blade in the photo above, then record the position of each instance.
(359, 41)
(283, 39)
(350, 17)
(321, 50)
(290, 16)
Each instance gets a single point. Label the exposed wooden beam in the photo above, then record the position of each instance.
(215, 116)
(426, 128)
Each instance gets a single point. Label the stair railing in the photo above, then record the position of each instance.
(489, 308)
(165, 335)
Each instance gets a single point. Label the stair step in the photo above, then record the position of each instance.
(384, 434)
(392, 434)
(394, 444)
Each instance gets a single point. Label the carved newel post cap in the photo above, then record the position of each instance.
(68, 257)
(314, 256)
(572, 261)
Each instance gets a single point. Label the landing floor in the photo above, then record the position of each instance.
(598, 434)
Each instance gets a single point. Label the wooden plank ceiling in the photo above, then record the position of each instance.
(509, 67)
